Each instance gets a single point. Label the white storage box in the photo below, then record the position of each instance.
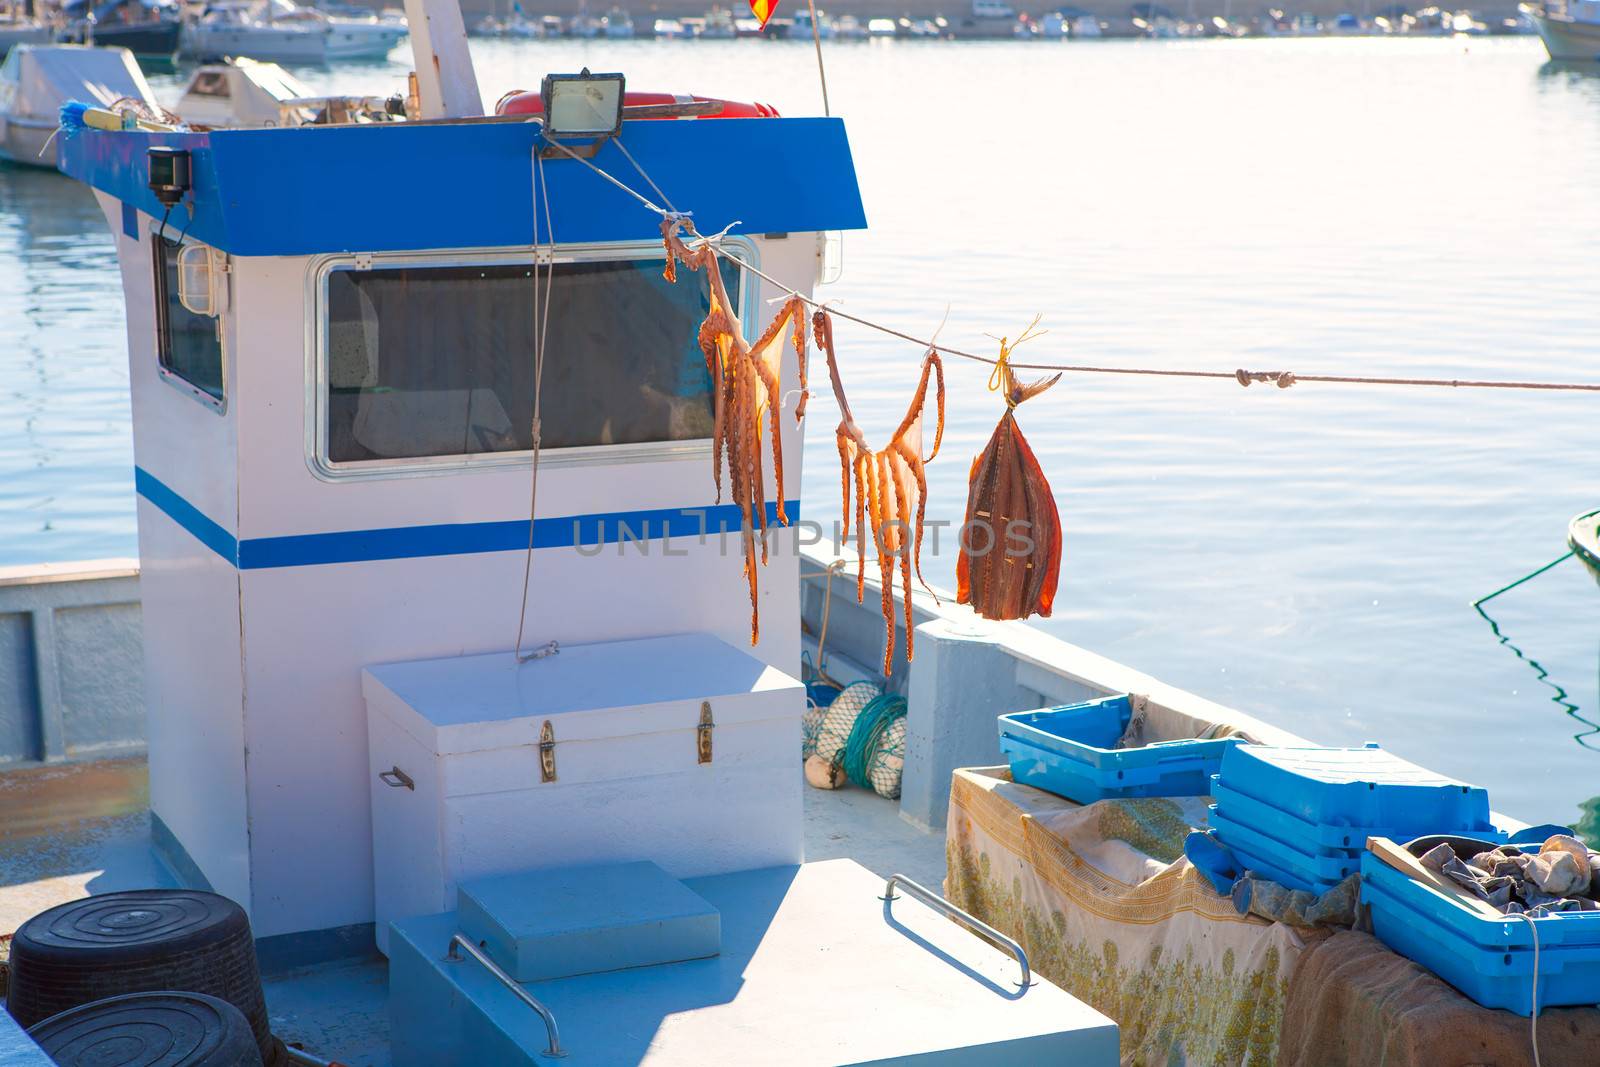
(680, 750)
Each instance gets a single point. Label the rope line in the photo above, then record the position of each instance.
(541, 323)
(1283, 379)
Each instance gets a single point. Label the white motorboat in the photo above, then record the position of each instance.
(247, 92)
(282, 31)
(1570, 29)
(36, 80)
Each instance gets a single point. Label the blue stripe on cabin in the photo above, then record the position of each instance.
(408, 186)
(448, 539)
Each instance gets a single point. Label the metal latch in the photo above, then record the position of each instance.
(395, 778)
(703, 732)
(547, 753)
(363, 261)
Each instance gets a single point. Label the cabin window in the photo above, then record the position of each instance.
(426, 361)
(210, 83)
(189, 346)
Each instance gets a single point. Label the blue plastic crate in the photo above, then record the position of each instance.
(1355, 787)
(1572, 929)
(1281, 861)
(1069, 751)
(1319, 837)
(1416, 921)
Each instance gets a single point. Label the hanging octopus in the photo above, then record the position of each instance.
(744, 387)
(890, 485)
(1010, 501)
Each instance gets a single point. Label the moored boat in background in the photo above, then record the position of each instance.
(36, 80)
(1570, 29)
(151, 29)
(281, 31)
(1583, 534)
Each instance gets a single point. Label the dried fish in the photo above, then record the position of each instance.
(744, 387)
(891, 486)
(1011, 541)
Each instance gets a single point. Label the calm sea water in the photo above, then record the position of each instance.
(1363, 207)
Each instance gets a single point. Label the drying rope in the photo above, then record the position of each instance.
(1282, 378)
(1533, 1013)
(866, 735)
(541, 321)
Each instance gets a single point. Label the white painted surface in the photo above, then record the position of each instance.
(447, 85)
(629, 784)
(814, 970)
(192, 646)
(268, 662)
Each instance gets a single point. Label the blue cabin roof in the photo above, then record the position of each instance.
(404, 186)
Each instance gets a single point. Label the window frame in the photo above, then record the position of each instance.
(321, 268)
(163, 330)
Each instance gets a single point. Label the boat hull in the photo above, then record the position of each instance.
(292, 45)
(150, 42)
(1566, 39)
(1583, 534)
(29, 142)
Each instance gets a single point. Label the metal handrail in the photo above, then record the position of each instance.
(460, 941)
(967, 919)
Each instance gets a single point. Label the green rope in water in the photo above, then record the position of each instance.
(866, 733)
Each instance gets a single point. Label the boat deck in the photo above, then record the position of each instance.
(78, 829)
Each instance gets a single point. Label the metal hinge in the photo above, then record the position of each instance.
(703, 732)
(363, 261)
(547, 753)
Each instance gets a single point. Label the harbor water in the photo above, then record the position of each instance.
(1363, 206)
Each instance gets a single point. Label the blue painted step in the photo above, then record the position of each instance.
(584, 920)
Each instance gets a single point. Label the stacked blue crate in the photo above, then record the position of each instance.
(1071, 751)
(1302, 816)
(1491, 960)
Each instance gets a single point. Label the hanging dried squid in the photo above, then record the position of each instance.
(891, 486)
(1011, 541)
(744, 388)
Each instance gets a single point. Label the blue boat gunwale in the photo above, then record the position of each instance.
(278, 191)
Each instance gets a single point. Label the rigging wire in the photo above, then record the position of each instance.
(1283, 379)
(541, 323)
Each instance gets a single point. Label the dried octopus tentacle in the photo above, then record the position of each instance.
(861, 526)
(881, 500)
(902, 471)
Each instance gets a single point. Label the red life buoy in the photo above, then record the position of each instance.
(519, 102)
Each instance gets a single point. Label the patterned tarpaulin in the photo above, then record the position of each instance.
(1106, 906)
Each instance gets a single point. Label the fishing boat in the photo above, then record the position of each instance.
(454, 684)
(617, 24)
(303, 763)
(150, 29)
(281, 31)
(1583, 534)
(1570, 29)
(35, 80)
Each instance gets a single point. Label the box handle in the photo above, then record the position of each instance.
(967, 919)
(395, 778)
